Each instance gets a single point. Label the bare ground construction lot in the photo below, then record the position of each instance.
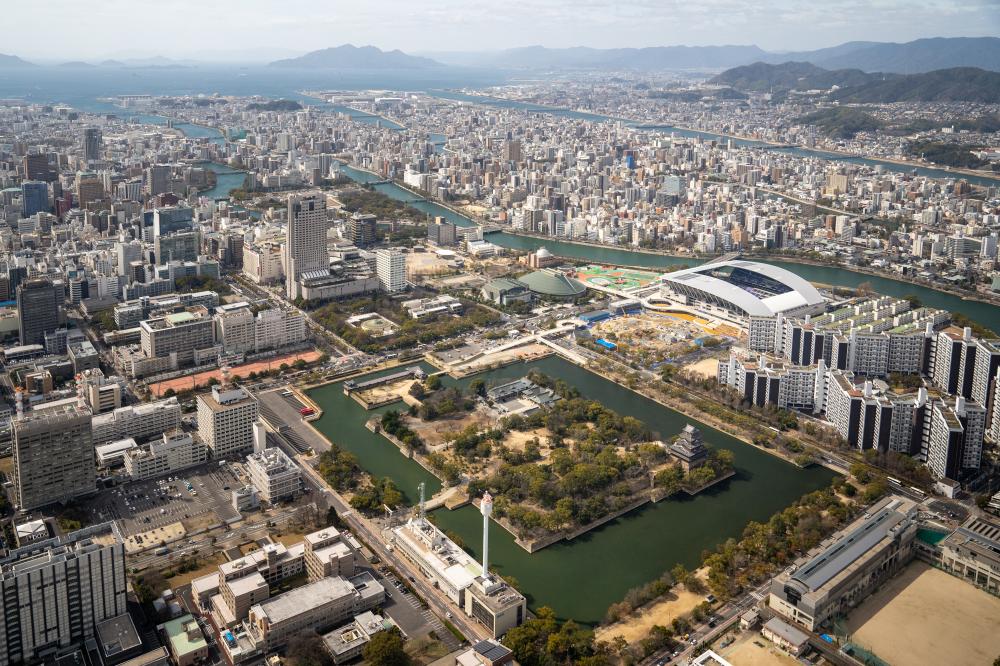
(927, 616)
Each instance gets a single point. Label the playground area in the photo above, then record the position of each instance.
(927, 616)
(626, 279)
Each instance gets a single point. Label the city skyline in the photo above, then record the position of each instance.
(259, 31)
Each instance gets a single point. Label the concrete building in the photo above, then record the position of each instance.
(279, 327)
(790, 639)
(55, 592)
(186, 641)
(326, 554)
(305, 248)
(235, 330)
(841, 572)
(102, 394)
(325, 603)
(487, 599)
(139, 422)
(972, 552)
(263, 262)
(348, 642)
(275, 476)
(178, 335)
(53, 456)
(390, 267)
(225, 420)
(176, 450)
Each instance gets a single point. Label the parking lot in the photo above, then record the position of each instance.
(193, 496)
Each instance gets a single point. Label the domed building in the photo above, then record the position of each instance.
(542, 258)
(553, 285)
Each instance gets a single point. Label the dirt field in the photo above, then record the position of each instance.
(528, 352)
(752, 649)
(676, 603)
(706, 367)
(926, 616)
(201, 379)
(382, 394)
(433, 432)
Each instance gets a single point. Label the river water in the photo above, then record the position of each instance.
(580, 579)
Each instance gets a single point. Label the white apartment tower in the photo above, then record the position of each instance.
(225, 420)
(390, 267)
(306, 239)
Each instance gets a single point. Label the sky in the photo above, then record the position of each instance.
(250, 30)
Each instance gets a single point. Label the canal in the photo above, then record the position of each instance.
(581, 578)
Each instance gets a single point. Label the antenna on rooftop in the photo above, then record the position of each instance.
(421, 488)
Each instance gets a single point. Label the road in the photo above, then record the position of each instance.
(366, 530)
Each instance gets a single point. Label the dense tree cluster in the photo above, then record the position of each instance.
(544, 641)
(393, 424)
(339, 468)
(374, 498)
(378, 204)
(411, 332)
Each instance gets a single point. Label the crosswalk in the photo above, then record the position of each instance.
(435, 624)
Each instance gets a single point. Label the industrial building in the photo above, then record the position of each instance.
(842, 571)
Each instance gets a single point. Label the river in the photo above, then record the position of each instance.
(581, 578)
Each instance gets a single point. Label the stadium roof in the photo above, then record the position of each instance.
(800, 293)
(553, 283)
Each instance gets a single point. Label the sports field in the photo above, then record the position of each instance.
(927, 616)
(618, 278)
(192, 382)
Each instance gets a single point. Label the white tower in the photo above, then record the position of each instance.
(259, 436)
(486, 508)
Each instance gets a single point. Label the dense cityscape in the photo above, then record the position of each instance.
(667, 355)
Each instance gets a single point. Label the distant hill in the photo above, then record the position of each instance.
(77, 64)
(354, 57)
(14, 61)
(764, 77)
(112, 63)
(958, 84)
(922, 55)
(579, 57)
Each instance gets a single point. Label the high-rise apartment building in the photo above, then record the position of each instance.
(225, 420)
(89, 187)
(38, 301)
(361, 229)
(53, 455)
(305, 248)
(55, 592)
(390, 267)
(158, 179)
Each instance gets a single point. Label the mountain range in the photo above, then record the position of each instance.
(921, 55)
(349, 56)
(915, 57)
(954, 84)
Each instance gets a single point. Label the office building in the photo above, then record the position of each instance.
(278, 327)
(262, 262)
(37, 167)
(361, 229)
(102, 394)
(177, 246)
(275, 476)
(841, 572)
(38, 301)
(175, 451)
(93, 140)
(158, 179)
(56, 592)
(186, 641)
(171, 220)
(34, 198)
(305, 247)
(178, 335)
(53, 455)
(225, 420)
(140, 422)
(89, 188)
(326, 554)
(390, 267)
(441, 232)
